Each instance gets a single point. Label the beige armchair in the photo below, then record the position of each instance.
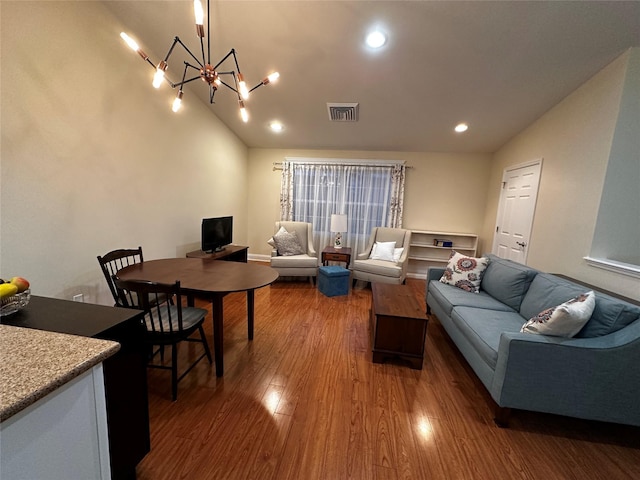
(383, 270)
(301, 265)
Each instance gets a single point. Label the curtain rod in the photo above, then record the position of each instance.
(278, 165)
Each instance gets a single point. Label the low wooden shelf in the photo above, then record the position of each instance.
(232, 253)
(424, 254)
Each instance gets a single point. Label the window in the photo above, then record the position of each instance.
(616, 239)
(370, 194)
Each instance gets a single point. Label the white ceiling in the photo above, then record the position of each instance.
(496, 65)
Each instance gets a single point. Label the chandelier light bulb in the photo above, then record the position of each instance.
(244, 91)
(157, 78)
(243, 112)
(271, 78)
(461, 127)
(177, 103)
(198, 12)
(130, 41)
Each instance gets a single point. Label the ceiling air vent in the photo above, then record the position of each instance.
(343, 112)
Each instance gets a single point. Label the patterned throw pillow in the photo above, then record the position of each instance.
(464, 272)
(565, 320)
(287, 244)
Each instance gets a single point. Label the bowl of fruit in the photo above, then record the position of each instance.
(14, 295)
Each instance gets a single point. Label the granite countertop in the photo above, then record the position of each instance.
(34, 363)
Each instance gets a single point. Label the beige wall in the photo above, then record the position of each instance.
(444, 192)
(93, 159)
(574, 139)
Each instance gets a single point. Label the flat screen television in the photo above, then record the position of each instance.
(216, 233)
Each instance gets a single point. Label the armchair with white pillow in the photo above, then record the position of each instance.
(385, 258)
(293, 254)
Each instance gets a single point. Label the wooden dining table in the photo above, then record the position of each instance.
(209, 280)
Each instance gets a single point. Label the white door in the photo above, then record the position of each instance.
(515, 211)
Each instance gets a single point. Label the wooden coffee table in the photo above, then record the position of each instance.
(398, 324)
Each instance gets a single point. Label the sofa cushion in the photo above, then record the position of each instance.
(564, 320)
(547, 291)
(464, 272)
(483, 328)
(507, 281)
(609, 315)
(294, 261)
(378, 267)
(449, 296)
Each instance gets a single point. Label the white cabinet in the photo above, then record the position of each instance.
(61, 436)
(426, 251)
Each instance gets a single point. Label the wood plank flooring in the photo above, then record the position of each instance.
(304, 401)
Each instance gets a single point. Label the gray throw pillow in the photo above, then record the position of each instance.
(288, 244)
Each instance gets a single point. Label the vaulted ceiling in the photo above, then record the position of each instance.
(498, 66)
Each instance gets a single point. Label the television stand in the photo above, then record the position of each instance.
(232, 253)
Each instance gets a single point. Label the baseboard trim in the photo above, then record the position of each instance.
(259, 258)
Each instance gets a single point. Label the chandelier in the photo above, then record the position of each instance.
(202, 68)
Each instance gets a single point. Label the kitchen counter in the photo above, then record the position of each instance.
(34, 363)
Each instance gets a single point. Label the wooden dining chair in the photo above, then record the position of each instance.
(166, 323)
(116, 260)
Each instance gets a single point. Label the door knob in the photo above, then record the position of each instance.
(522, 244)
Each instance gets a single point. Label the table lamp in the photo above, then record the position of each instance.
(338, 225)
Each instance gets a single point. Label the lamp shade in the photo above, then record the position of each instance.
(338, 223)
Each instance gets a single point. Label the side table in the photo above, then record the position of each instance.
(331, 254)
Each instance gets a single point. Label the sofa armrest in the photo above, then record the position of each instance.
(274, 253)
(434, 273)
(596, 378)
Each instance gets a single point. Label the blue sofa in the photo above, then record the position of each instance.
(594, 375)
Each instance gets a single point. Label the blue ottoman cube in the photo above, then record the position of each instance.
(333, 280)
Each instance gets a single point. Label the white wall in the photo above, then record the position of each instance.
(93, 159)
(574, 138)
(443, 191)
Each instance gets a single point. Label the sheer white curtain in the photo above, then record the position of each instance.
(371, 195)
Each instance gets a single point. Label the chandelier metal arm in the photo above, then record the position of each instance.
(202, 49)
(257, 86)
(197, 77)
(228, 86)
(177, 39)
(231, 52)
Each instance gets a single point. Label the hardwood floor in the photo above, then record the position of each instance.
(304, 401)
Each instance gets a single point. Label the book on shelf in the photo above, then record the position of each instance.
(438, 242)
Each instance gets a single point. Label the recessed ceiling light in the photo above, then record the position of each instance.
(461, 127)
(376, 39)
(276, 126)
